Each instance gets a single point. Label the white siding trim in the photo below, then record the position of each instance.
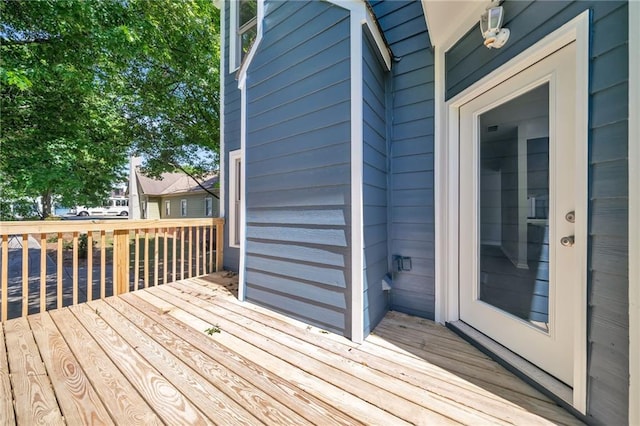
(377, 37)
(242, 85)
(233, 29)
(358, 17)
(365, 17)
(582, 207)
(243, 189)
(634, 213)
(446, 296)
(243, 202)
(357, 170)
(223, 44)
(448, 184)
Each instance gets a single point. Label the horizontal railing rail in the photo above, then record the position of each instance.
(51, 264)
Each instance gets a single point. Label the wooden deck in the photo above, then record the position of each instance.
(189, 353)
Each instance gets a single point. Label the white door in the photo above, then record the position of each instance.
(517, 196)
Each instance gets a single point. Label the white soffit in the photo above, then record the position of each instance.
(447, 21)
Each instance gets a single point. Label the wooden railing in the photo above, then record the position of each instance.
(51, 264)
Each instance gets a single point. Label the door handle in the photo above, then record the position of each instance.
(567, 241)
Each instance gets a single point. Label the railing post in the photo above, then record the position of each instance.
(121, 259)
(219, 224)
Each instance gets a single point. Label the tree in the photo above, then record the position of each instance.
(86, 83)
(173, 78)
(62, 134)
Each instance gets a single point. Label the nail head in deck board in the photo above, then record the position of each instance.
(163, 397)
(77, 399)
(206, 397)
(7, 416)
(120, 397)
(35, 401)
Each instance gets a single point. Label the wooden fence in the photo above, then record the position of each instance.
(51, 264)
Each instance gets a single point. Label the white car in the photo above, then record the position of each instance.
(115, 206)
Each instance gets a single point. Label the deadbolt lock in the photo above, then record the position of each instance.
(567, 241)
(571, 217)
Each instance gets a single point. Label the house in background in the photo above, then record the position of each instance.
(378, 156)
(176, 195)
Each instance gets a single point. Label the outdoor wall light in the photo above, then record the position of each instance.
(490, 23)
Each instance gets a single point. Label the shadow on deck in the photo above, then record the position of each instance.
(190, 353)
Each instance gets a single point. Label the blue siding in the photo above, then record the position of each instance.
(374, 186)
(467, 62)
(298, 164)
(410, 126)
(231, 138)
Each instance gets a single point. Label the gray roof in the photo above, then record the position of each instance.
(174, 183)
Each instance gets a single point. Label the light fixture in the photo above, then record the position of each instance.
(490, 23)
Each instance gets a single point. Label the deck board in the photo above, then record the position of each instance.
(124, 403)
(279, 389)
(7, 416)
(34, 398)
(459, 391)
(78, 399)
(145, 358)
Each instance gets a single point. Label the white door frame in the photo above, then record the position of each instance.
(447, 180)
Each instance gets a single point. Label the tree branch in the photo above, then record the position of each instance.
(196, 180)
(37, 40)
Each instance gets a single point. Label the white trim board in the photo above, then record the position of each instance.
(357, 196)
(223, 62)
(357, 15)
(242, 80)
(233, 158)
(634, 213)
(233, 29)
(447, 180)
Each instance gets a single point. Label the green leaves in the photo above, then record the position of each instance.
(85, 83)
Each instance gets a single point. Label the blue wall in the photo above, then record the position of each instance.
(410, 126)
(608, 326)
(375, 188)
(298, 164)
(231, 139)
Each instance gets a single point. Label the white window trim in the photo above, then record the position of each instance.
(234, 157)
(208, 200)
(233, 29)
(183, 207)
(634, 214)
(447, 180)
(234, 61)
(167, 208)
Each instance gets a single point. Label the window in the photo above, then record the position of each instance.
(208, 207)
(183, 208)
(244, 28)
(235, 197)
(167, 208)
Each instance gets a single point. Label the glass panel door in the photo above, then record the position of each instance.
(514, 206)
